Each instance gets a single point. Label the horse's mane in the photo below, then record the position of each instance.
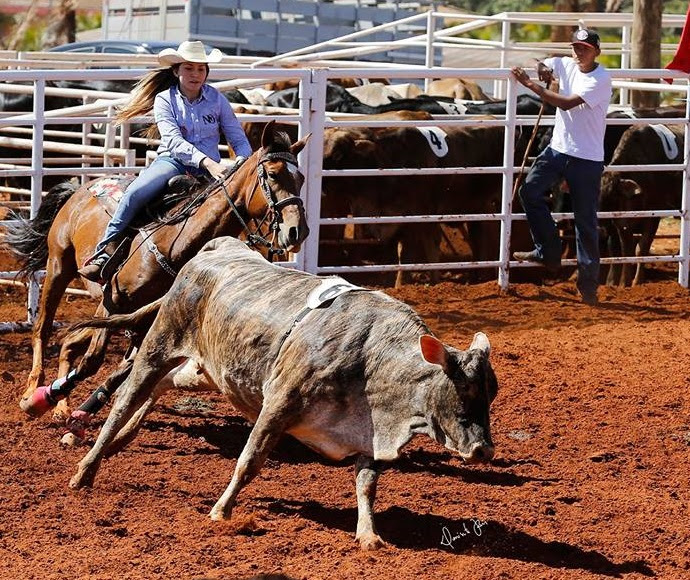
(281, 142)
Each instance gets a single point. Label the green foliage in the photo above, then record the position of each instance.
(88, 20)
(33, 37)
(487, 7)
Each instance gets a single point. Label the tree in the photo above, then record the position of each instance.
(646, 46)
(63, 25)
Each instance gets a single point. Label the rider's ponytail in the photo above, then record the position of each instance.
(143, 95)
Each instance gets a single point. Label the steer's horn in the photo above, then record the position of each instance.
(481, 341)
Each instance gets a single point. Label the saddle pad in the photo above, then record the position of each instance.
(108, 191)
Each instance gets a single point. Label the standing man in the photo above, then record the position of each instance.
(576, 154)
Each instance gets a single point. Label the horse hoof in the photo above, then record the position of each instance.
(38, 403)
(69, 439)
(77, 423)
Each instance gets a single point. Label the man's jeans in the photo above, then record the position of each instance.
(147, 186)
(584, 181)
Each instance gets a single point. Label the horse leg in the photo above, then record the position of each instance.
(72, 347)
(58, 276)
(80, 419)
(146, 372)
(187, 376)
(55, 395)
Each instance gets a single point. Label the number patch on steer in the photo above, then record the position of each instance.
(437, 140)
(329, 289)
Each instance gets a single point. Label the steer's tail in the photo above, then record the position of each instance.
(137, 319)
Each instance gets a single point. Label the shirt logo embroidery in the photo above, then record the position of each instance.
(210, 119)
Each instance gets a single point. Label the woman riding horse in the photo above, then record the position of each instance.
(189, 115)
(260, 194)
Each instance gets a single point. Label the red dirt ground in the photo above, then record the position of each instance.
(590, 479)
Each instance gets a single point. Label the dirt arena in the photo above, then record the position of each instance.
(590, 478)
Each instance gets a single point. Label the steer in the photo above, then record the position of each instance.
(345, 370)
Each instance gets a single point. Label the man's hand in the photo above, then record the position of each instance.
(545, 73)
(521, 76)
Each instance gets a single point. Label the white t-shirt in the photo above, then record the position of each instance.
(580, 131)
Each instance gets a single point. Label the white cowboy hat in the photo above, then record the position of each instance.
(188, 51)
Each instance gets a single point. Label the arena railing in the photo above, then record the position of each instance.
(313, 118)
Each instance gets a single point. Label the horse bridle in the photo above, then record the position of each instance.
(275, 206)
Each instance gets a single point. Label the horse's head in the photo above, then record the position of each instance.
(280, 181)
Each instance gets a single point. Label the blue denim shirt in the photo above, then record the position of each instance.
(191, 131)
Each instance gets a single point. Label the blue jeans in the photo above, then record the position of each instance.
(145, 188)
(584, 181)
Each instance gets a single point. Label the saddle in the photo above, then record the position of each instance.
(109, 191)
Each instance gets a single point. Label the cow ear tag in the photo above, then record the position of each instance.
(433, 350)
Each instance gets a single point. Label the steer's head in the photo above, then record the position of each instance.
(460, 408)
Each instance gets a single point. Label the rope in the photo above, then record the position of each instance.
(518, 179)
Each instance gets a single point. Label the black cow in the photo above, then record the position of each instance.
(639, 190)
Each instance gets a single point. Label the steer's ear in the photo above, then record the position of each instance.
(433, 351)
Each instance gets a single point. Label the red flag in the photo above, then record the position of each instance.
(681, 61)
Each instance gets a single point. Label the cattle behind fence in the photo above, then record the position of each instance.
(312, 117)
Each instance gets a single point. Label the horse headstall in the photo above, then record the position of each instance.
(274, 204)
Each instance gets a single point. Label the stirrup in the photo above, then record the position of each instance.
(114, 261)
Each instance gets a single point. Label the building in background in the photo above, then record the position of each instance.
(264, 27)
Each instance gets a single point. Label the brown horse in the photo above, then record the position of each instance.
(71, 221)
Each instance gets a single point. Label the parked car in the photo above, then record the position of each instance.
(119, 46)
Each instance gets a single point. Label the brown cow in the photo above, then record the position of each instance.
(640, 190)
(457, 89)
(345, 370)
(349, 148)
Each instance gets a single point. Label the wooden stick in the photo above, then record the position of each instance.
(518, 179)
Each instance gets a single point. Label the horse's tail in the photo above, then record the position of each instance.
(137, 319)
(28, 239)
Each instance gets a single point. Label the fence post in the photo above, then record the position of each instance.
(36, 183)
(500, 84)
(684, 266)
(429, 58)
(306, 94)
(317, 116)
(507, 185)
